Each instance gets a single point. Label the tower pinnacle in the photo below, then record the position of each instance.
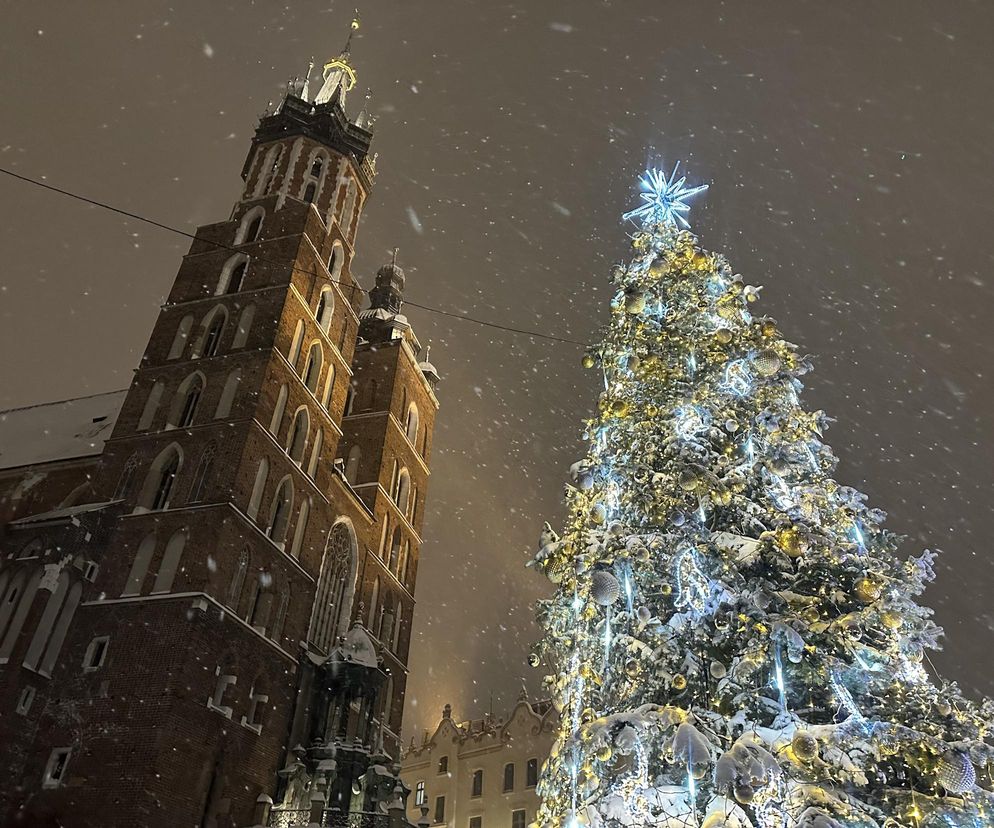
(339, 74)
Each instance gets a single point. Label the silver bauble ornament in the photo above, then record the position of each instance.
(766, 363)
(598, 514)
(718, 670)
(604, 588)
(955, 772)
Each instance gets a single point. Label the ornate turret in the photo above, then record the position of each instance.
(389, 291)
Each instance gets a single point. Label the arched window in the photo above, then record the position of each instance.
(397, 625)
(139, 567)
(184, 407)
(159, 482)
(374, 597)
(413, 421)
(405, 556)
(349, 400)
(200, 477)
(335, 589)
(170, 563)
(348, 208)
(280, 407)
(271, 166)
(251, 224)
(312, 369)
(329, 384)
(211, 331)
(244, 326)
(352, 465)
(238, 580)
(212, 339)
(279, 512)
(255, 500)
(385, 633)
(312, 465)
(336, 261)
(325, 309)
(17, 603)
(403, 491)
(61, 629)
(281, 610)
(181, 338)
(126, 478)
(44, 630)
(237, 278)
(228, 395)
(395, 543)
(261, 604)
(301, 528)
(297, 439)
(151, 406)
(296, 344)
(314, 177)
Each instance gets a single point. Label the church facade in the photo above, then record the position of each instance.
(207, 581)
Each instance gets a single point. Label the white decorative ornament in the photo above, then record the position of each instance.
(766, 363)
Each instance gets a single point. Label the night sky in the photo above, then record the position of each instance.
(849, 150)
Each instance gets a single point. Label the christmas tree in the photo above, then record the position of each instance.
(735, 642)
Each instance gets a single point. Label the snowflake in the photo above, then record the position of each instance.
(665, 198)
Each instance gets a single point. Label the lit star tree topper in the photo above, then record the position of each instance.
(665, 198)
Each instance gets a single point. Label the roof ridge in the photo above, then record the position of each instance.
(57, 402)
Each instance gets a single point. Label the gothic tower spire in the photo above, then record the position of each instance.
(339, 74)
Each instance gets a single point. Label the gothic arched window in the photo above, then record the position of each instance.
(336, 585)
(413, 422)
(301, 528)
(312, 464)
(151, 406)
(200, 477)
(251, 224)
(279, 512)
(228, 395)
(297, 439)
(126, 478)
(139, 567)
(238, 580)
(296, 344)
(325, 308)
(181, 337)
(170, 563)
(403, 491)
(336, 261)
(184, 407)
(212, 339)
(255, 500)
(157, 490)
(244, 326)
(312, 370)
(393, 562)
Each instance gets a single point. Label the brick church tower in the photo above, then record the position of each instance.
(211, 604)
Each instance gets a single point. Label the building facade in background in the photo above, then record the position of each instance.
(207, 580)
(480, 773)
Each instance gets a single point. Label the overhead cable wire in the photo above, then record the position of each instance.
(221, 245)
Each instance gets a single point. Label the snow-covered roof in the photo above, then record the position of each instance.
(58, 430)
(356, 648)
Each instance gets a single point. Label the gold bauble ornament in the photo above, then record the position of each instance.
(688, 480)
(766, 363)
(534, 659)
(588, 361)
(891, 619)
(598, 514)
(666, 589)
(635, 303)
(943, 708)
(658, 267)
(768, 327)
(790, 541)
(605, 753)
(633, 363)
(631, 668)
(620, 408)
(804, 746)
(679, 682)
(698, 260)
(867, 590)
(723, 335)
(651, 411)
(810, 614)
(728, 311)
